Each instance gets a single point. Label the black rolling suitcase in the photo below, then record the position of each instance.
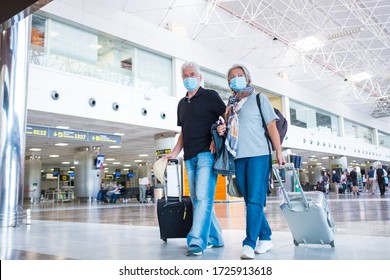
(174, 214)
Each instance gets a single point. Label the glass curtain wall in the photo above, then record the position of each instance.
(311, 118)
(384, 139)
(218, 83)
(359, 132)
(74, 49)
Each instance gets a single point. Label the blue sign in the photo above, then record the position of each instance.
(66, 134)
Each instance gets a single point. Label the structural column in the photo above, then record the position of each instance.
(32, 178)
(86, 177)
(14, 44)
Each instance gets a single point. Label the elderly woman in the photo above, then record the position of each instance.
(248, 144)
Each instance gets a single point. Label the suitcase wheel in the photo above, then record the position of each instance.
(331, 243)
(295, 243)
(165, 240)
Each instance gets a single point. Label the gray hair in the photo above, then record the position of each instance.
(243, 68)
(190, 64)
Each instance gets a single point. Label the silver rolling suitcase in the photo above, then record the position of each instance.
(307, 213)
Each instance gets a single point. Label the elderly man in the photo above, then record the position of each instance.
(196, 112)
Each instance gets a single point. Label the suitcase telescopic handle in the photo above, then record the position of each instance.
(174, 161)
(178, 181)
(275, 168)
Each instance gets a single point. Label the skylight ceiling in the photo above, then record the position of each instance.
(348, 37)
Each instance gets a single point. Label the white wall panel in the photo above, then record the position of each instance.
(75, 92)
(71, 9)
(301, 138)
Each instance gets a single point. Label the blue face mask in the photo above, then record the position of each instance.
(238, 83)
(191, 84)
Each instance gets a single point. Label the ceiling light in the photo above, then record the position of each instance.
(110, 159)
(345, 33)
(35, 149)
(143, 155)
(138, 160)
(54, 155)
(115, 147)
(360, 76)
(65, 162)
(61, 144)
(308, 43)
(116, 163)
(62, 127)
(119, 134)
(127, 165)
(325, 158)
(95, 46)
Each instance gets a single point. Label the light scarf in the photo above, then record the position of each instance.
(235, 103)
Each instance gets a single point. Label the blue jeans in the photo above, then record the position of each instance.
(252, 176)
(142, 193)
(202, 183)
(112, 197)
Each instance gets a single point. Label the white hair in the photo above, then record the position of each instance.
(190, 64)
(243, 68)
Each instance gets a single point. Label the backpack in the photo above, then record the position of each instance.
(281, 124)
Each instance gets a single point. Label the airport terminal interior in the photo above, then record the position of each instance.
(102, 108)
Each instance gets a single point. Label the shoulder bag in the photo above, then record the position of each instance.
(232, 187)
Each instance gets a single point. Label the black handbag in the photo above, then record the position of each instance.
(224, 161)
(232, 187)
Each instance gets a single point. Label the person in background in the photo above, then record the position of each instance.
(354, 178)
(380, 177)
(371, 180)
(112, 195)
(149, 193)
(247, 143)
(143, 184)
(196, 112)
(335, 181)
(325, 182)
(344, 179)
(364, 180)
(349, 182)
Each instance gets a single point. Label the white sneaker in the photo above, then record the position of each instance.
(263, 246)
(247, 252)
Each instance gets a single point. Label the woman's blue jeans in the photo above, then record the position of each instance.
(252, 176)
(202, 183)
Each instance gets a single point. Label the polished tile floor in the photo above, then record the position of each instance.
(77, 231)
